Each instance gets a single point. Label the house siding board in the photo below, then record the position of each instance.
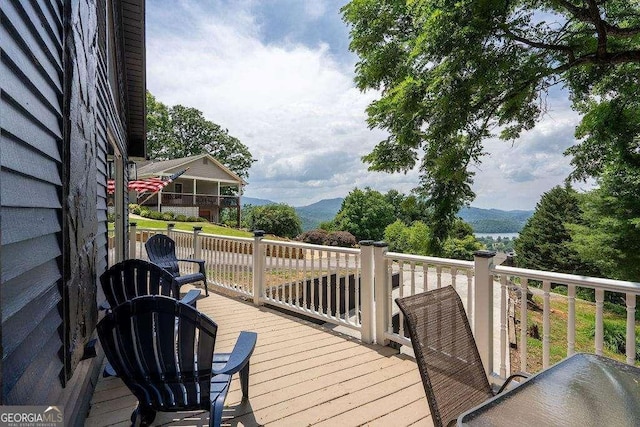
(30, 329)
(42, 222)
(31, 82)
(21, 127)
(18, 292)
(21, 33)
(33, 383)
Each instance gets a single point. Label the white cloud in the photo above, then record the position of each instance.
(297, 110)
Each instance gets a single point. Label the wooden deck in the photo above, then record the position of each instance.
(302, 374)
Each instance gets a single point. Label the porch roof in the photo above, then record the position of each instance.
(301, 374)
(158, 167)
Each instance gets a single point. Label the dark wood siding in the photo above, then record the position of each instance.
(31, 207)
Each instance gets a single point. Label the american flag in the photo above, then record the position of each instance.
(147, 185)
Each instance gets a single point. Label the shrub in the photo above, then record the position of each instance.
(111, 217)
(181, 218)
(167, 216)
(155, 215)
(145, 212)
(192, 219)
(341, 238)
(134, 208)
(315, 237)
(201, 219)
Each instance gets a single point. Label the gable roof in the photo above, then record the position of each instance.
(158, 167)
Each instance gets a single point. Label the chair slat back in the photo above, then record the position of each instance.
(147, 341)
(161, 250)
(446, 353)
(135, 277)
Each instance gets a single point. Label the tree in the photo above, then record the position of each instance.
(544, 242)
(609, 235)
(179, 131)
(452, 73)
(413, 239)
(365, 214)
(278, 219)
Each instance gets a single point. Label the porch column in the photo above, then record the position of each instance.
(483, 307)
(382, 291)
(258, 266)
(366, 291)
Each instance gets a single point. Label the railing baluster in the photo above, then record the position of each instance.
(470, 295)
(571, 320)
(523, 324)
(631, 328)
(453, 272)
(439, 276)
(546, 323)
(503, 326)
(599, 321)
(412, 267)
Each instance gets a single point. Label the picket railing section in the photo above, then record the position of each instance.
(408, 275)
(357, 288)
(516, 281)
(322, 282)
(229, 262)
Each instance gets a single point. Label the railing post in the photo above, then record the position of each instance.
(382, 291)
(483, 308)
(197, 243)
(132, 239)
(170, 227)
(366, 291)
(258, 267)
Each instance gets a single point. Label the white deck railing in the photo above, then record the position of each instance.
(357, 288)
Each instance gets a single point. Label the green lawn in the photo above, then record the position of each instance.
(585, 326)
(188, 226)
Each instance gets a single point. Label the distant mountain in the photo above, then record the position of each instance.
(482, 220)
(255, 202)
(324, 210)
(495, 220)
(311, 215)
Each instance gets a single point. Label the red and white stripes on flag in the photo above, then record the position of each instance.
(147, 185)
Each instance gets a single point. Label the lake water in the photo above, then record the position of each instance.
(496, 235)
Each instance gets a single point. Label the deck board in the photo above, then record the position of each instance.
(301, 374)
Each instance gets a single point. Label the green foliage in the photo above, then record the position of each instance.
(134, 208)
(179, 131)
(154, 215)
(278, 219)
(412, 239)
(168, 216)
(615, 337)
(453, 73)
(608, 236)
(365, 214)
(499, 244)
(544, 242)
(181, 218)
(461, 248)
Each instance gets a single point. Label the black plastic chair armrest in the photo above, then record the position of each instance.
(200, 263)
(508, 380)
(191, 297)
(240, 355)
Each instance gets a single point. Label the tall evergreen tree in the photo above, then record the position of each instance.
(543, 243)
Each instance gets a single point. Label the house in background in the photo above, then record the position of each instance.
(205, 189)
(72, 94)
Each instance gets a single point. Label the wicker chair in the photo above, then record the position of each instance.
(162, 251)
(163, 350)
(452, 373)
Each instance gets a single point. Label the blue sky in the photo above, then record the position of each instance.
(279, 76)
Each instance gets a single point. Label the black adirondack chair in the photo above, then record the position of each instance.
(161, 250)
(163, 350)
(136, 277)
